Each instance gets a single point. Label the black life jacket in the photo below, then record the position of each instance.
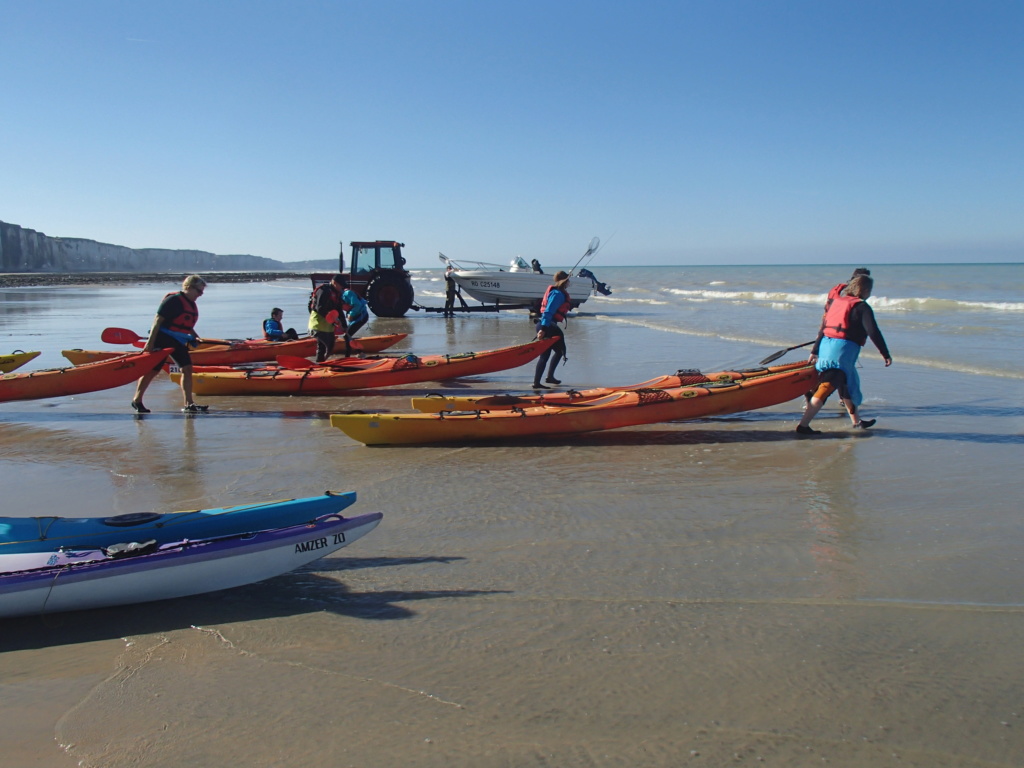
(837, 317)
(562, 311)
(315, 295)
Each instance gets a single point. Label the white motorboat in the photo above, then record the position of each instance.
(521, 284)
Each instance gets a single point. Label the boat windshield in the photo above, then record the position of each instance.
(519, 265)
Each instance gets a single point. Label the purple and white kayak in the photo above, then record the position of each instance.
(71, 580)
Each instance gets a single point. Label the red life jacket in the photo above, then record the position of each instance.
(834, 293)
(837, 317)
(562, 311)
(186, 320)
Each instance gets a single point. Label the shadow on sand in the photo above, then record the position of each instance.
(292, 594)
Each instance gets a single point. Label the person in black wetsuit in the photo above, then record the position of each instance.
(326, 316)
(451, 291)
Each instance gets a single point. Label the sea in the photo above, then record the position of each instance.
(710, 592)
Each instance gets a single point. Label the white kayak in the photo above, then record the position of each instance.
(142, 571)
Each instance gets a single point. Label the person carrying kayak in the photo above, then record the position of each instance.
(174, 329)
(553, 309)
(849, 322)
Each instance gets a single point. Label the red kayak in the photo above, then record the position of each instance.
(91, 377)
(251, 351)
(332, 378)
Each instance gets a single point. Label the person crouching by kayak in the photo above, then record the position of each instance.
(849, 323)
(356, 314)
(553, 309)
(174, 329)
(274, 331)
(325, 315)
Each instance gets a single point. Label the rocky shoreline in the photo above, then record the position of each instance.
(29, 279)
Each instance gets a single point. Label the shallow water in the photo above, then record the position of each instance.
(702, 593)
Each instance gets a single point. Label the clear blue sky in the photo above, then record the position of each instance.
(733, 131)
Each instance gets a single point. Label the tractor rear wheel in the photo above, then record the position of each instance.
(389, 296)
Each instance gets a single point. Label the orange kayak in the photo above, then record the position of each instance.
(91, 377)
(683, 378)
(363, 374)
(620, 409)
(254, 351)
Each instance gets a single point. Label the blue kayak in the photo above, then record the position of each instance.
(44, 534)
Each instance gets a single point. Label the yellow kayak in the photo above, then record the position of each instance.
(15, 360)
(620, 409)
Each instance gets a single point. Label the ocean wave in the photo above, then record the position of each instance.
(883, 303)
(633, 300)
(924, 362)
(781, 299)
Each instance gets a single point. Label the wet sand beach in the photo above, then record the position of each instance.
(709, 593)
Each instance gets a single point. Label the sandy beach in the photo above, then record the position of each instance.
(712, 593)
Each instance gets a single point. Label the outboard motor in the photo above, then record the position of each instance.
(601, 288)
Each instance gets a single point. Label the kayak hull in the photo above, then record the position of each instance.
(92, 377)
(620, 409)
(46, 534)
(365, 374)
(178, 569)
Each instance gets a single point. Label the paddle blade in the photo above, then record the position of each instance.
(120, 336)
(773, 357)
(776, 355)
(293, 363)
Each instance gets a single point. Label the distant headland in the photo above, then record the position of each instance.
(28, 257)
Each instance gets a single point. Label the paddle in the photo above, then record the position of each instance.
(125, 336)
(594, 244)
(776, 355)
(293, 363)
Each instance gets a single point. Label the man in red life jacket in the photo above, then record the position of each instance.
(848, 323)
(174, 329)
(553, 309)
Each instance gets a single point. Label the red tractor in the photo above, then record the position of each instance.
(377, 273)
